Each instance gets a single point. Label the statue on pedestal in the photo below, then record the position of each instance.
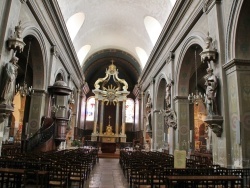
(211, 91)
(8, 82)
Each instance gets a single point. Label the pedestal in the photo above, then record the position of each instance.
(94, 137)
(215, 123)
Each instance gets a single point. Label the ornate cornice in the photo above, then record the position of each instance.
(236, 62)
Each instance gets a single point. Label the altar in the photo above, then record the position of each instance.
(110, 93)
(108, 145)
(108, 140)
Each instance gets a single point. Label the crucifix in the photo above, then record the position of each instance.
(109, 119)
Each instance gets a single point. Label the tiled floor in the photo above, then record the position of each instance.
(107, 174)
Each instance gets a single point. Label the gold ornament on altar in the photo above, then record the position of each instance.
(109, 129)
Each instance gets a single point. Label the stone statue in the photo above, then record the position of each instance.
(211, 91)
(69, 117)
(8, 82)
(168, 95)
(170, 118)
(148, 111)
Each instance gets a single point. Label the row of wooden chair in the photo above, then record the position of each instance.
(52, 169)
(152, 169)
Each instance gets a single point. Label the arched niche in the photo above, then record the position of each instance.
(188, 68)
(159, 118)
(33, 63)
(238, 31)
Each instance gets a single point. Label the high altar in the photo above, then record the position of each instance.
(109, 92)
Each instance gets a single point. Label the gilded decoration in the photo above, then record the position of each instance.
(111, 91)
(109, 131)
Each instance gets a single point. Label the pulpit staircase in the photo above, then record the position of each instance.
(43, 139)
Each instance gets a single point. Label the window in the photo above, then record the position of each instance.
(74, 24)
(90, 109)
(129, 111)
(82, 53)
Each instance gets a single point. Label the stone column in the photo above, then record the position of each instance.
(101, 117)
(77, 106)
(117, 118)
(96, 115)
(37, 106)
(183, 121)
(238, 107)
(123, 116)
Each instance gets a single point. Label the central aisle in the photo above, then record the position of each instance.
(107, 174)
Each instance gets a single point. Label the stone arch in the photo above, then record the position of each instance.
(186, 83)
(39, 56)
(160, 89)
(185, 63)
(34, 107)
(242, 36)
(60, 74)
(233, 28)
(160, 105)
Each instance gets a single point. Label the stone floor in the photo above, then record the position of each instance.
(107, 174)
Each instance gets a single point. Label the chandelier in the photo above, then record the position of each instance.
(194, 98)
(23, 88)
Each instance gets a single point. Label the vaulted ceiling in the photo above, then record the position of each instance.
(121, 30)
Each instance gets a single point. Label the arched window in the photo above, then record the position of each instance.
(74, 24)
(142, 56)
(90, 112)
(130, 105)
(153, 28)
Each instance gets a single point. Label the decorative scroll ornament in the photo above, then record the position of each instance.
(111, 93)
(112, 71)
(170, 118)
